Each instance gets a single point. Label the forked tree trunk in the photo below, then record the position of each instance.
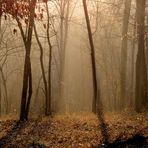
(27, 79)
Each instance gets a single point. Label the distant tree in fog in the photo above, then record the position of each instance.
(63, 7)
(124, 53)
(2, 76)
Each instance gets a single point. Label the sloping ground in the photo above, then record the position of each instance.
(74, 131)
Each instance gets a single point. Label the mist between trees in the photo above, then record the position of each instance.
(73, 56)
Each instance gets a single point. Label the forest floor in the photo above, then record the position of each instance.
(70, 131)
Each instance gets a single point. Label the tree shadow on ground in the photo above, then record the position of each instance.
(137, 141)
(12, 133)
(102, 124)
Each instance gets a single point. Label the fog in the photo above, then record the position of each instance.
(71, 67)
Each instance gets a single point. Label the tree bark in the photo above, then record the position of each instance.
(42, 69)
(5, 90)
(132, 84)
(93, 62)
(0, 98)
(64, 16)
(124, 54)
(141, 98)
(27, 79)
(48, 101)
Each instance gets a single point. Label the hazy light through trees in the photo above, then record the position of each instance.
(71, 69)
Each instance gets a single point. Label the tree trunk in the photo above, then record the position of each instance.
(133, 43)
(5, 89)
(93, 62)
(64, 9)
(29, 91)
(141, 99)
(124, 54)
(42, 68)
(0, 98)
(27, 79)
(0, 47)
(25, 89)
(48, 101)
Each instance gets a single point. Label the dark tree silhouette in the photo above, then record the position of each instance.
(93, 61)
(141, 99)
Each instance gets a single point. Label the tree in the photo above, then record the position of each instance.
(48, 101)
(27, 79)
(124, 53)
(132, 86)
(0, 47)
(3, 60)
(3, 81)
(47, 110)
(93, 62)
(24, 10)
(63, 9)
(141, 97)
(46, 81)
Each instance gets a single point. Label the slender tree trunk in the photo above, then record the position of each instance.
(0, 78)
(93, 62)
(48, 101)
(29, 92)
(146, 52)
(0, 98)
(42, 69)
(5, 90)
(131, 101)
(97, 106)
(124, 54)
(64, 9)
(141, 99)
